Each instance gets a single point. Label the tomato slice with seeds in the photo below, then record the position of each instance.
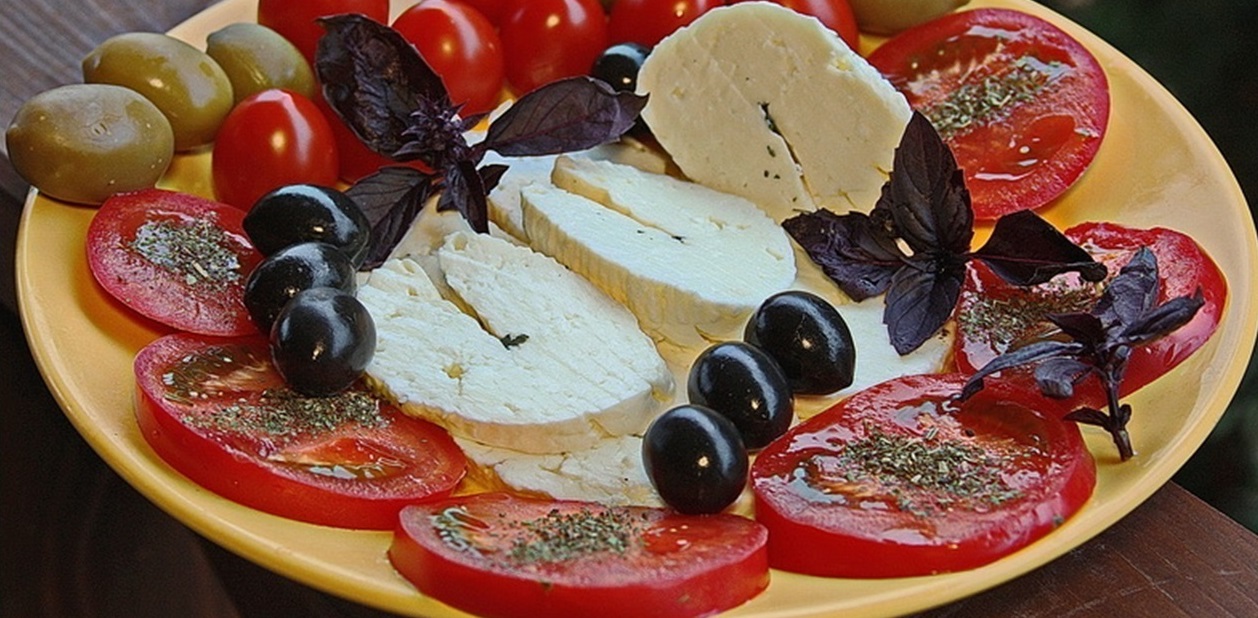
(899, 480)
(567, 558)
(218, 412)
(175, 258)
(1022, 104)
(994, 316)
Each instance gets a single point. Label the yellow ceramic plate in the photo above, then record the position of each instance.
(1156, 167)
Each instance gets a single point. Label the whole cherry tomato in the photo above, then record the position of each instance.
(493, 10)
(835, 14)
(647, 21)
(546, 40)
(461, 46)
(271, 139)
(295, 19)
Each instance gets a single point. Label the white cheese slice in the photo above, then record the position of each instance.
(585, 372)
(611, 472)
(692, 263)
(760, 101)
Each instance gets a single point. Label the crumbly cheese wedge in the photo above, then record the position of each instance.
(757, 100)
(690, 262)
(531, 357)
(610, 473)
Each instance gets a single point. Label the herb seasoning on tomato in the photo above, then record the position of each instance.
(217, 411)
(900, 480)
(175, 258)
(1022, 104)
(565, 558)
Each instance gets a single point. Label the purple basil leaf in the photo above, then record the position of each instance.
(407, 189)
(1090, 416)
(563, 116)
(465, 192)
(926, 194)
(1058, 376)
(919, 302)
(1132, 293)
(1082, 327)
(1162, 320)
(491, 174)
(435, 136)
(1031, 353)
(851, 249)
(380, 192)
(374, 79)
(1024, 249)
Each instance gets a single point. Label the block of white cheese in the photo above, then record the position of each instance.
(610, 473)
(692, 263)
(760, 101)
(528, 356)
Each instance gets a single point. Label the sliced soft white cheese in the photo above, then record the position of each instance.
(611, 472)
(757, 100)
(530, 357)
(692, 263)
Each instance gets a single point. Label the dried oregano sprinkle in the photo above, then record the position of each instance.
(990, 99)
(281, 412)
(199, 251)
(559, 537)
(927, 472)
(1022, 316)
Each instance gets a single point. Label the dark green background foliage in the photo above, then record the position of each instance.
(1206, 53)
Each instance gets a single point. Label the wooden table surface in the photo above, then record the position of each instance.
(77, 541)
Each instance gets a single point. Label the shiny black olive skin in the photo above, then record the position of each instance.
(746, 386)
(809, 340)
(322, 341)
(695, 459)
(619, 65)
(301, 213)
(278, 278)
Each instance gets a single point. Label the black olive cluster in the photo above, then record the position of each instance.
(741, 399)
(302, 294)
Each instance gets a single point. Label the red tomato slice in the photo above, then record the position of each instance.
(500, 555)
(898, 480)
(993, 316)
(1023, 105)
(175, 258)
(218, 412)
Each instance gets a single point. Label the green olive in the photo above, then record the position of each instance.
(181, 80)
(257, 58)
(85, 142)
(892, 16)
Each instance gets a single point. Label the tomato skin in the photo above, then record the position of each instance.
(461, 46)
(271, 139)
(493, 10)
(837, 15)
(1021, 154)
(546, 40)
(295, 19)
(1183, 266)
(249, 468)
(686, 565)
(645, 22)
(814, 532)
(164, 294)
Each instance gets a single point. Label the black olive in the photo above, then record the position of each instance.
(301, 213)
(619, 65)
(746, 386)
(695, 459)
(809, 340)
(322, 341)
(278, 278)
